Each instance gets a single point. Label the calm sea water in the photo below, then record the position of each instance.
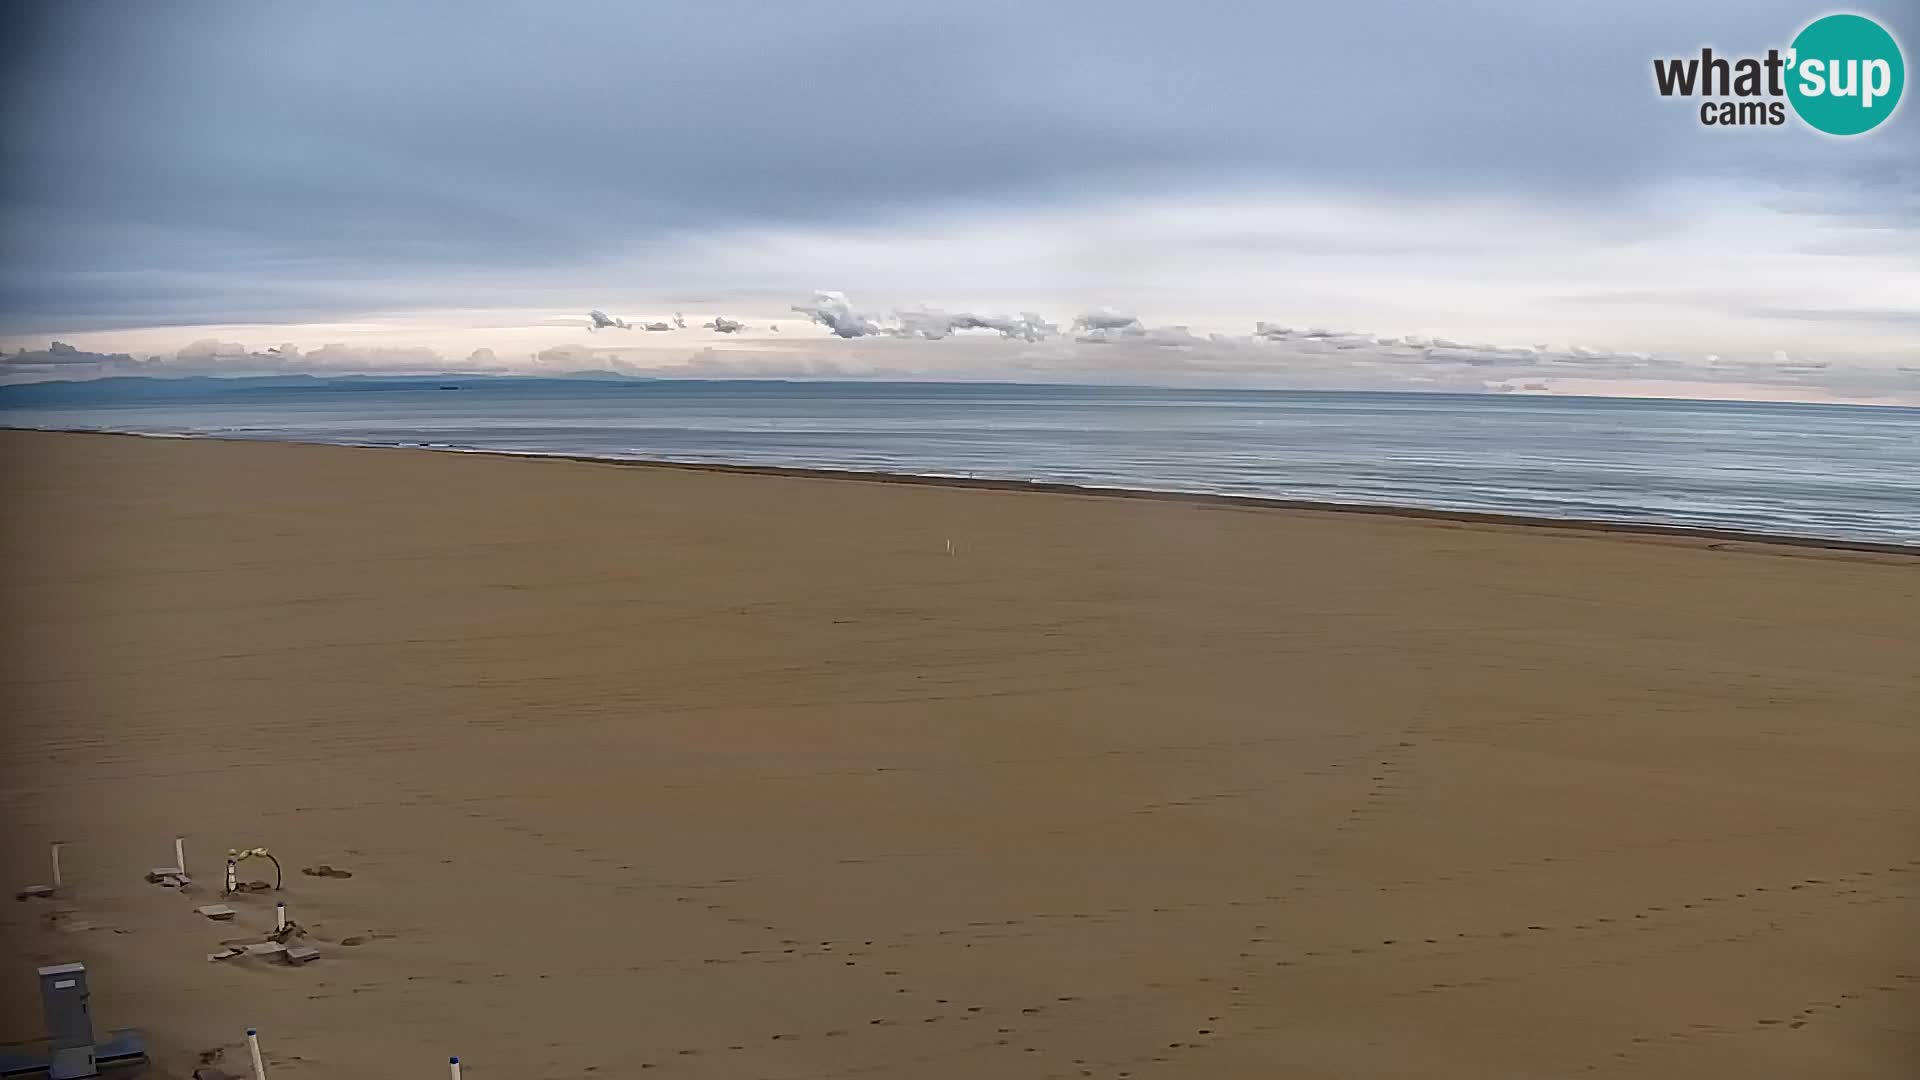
(1806, 470)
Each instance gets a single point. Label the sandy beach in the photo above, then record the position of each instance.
(702, 774)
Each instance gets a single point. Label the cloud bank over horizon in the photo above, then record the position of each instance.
(1100, 346)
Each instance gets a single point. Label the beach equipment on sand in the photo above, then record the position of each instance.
(175, 876)
(284, 928)
(71, 1052)
(453, 1068)
(236, 856)
(43, 891)
(253, 1049)
(63, 994)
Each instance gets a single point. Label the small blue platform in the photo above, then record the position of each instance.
(121, 1054)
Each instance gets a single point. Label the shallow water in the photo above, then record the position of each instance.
(1842, 472)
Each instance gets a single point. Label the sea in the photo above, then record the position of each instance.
(1836, 472)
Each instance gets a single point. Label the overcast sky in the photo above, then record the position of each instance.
(1436, 187)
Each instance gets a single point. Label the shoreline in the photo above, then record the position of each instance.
(1586, 526)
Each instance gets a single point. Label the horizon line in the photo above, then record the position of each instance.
(610, 376)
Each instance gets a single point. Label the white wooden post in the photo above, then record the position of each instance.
(453, 1068)
(253, 1047)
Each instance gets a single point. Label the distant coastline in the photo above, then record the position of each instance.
(140, 387)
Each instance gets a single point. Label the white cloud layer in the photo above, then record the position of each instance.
(1104, 346)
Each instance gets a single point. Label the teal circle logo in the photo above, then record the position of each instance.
(1845, 74)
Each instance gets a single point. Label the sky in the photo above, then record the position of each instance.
(1482, 195)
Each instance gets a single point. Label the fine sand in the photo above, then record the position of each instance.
(646, 771)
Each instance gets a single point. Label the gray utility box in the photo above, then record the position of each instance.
(63, 990)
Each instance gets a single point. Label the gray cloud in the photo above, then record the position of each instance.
(934, 325)
(59, 353)
(567, 357)
(1106, 319)
(1132, 332)
(600, 320)
(209, 350)
(835, 312)
(1482, 357)
(60, 360)
(831, 310)
(376, 151)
